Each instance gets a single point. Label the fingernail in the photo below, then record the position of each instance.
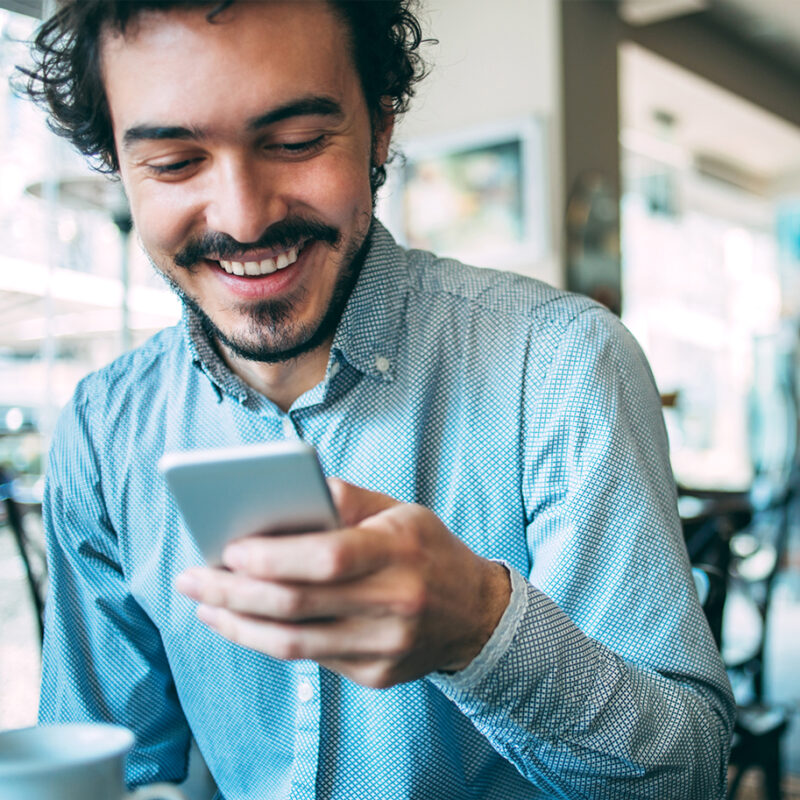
(234, 556)
(186, 583)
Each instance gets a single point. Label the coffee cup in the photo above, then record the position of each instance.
(72, 761)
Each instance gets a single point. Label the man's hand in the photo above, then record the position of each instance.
(388, 598)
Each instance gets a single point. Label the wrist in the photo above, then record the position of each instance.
(492, 600)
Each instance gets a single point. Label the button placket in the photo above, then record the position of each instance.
(289, 431)
(307, 731)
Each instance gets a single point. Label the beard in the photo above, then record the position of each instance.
(271, 334)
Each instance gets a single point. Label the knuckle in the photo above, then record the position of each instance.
(411, 536)
(415, 598)
(220, 593)
(286, 646)
(290, 603)
(400, 640)
(380, 676)
(227, 625)
(332, 561)
(258, 564)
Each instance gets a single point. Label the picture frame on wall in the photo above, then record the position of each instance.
(478, 195)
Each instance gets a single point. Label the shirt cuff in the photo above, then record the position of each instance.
(498, 643)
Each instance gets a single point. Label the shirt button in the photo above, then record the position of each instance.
(288, 429)
(305, 691)
(382, 364)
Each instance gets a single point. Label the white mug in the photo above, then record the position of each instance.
(70, 762)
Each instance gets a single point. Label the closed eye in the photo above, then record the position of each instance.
(172, 168)
(298, 148)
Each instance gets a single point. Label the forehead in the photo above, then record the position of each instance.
(177, 62)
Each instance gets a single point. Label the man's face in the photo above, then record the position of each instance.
(245, 148)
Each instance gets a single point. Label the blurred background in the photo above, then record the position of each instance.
(644, 152)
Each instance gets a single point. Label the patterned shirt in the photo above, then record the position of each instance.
(527, 420)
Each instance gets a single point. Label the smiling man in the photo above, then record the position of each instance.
(248, 172)
(507, 610)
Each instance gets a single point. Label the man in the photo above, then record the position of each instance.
(507, 611)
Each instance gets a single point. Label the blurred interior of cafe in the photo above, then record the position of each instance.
(644, 152)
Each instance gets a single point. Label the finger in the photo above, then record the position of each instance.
(350, 638)
(371, 671)
(237, 592)
(354, 503)
(330, 556)
(379, 595)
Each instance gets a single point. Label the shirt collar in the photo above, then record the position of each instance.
(369, 331)
(368, 334)
(206, 358)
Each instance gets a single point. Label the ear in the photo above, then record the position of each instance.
(384, 125)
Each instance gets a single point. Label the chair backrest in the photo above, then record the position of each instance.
(33, 562)
(712, 589)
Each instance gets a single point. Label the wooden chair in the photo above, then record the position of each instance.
(715, 553)
(31, 551)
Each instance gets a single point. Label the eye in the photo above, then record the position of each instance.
(173, 168)
(297, 148)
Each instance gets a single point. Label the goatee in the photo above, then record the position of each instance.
(271, 335)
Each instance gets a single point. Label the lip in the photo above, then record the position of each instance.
(263, 254)
(265, 286)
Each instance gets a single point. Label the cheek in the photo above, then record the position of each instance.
(337, 190)
(161, 221)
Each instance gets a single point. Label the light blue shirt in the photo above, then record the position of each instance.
(527, 419)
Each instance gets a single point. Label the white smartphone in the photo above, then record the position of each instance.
(224, 494)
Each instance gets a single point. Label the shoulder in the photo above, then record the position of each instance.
(130, 382)
(491, 291)
(511, 304)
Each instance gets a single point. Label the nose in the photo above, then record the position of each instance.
(244, 200)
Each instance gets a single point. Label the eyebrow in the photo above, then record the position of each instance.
(304, 107)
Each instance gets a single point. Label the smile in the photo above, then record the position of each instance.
(265, 267)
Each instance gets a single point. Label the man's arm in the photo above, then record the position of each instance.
(102, 660)
(611, 685)
(601, 679)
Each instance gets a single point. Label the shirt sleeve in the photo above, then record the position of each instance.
(602, 679)
(102, 659)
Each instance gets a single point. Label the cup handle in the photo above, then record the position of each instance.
(156, 791)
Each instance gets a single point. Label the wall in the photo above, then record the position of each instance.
(591, 33)
(494, 62)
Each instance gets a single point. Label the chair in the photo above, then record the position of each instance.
(744, 535)
(709, 522)
(31, 551)
(734, 543)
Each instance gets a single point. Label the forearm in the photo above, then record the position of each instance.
(103, 659)
(579, 721)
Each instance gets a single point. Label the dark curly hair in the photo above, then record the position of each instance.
(66, 80)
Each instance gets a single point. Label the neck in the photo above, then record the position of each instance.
(282, 382)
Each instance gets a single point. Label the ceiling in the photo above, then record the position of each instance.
(771, 27)
(31, 8)
(706, 123)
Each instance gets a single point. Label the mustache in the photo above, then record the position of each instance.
(282, 235)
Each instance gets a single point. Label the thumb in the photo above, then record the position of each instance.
(355, 504)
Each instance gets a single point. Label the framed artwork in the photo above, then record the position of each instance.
(478, 195)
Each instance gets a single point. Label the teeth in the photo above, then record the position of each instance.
(264, 267)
